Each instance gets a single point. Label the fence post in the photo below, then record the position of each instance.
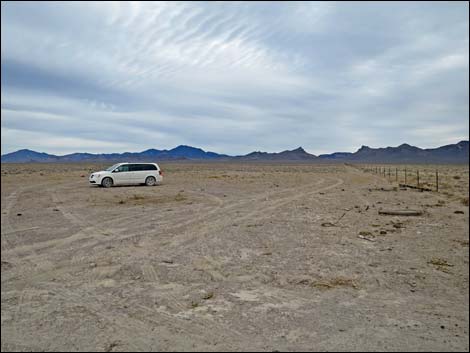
(396, 174)
(417, 176)
(405, 176)
(389, 174)
(437, 181)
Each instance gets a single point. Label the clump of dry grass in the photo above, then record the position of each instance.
(462, 242)
(439, 262)
(335, 282)
(180, 197)
(219, 176)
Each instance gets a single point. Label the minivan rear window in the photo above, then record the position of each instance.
(140, 167)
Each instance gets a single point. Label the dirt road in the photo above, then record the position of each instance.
(230, 257)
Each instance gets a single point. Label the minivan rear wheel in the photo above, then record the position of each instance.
(107, 182)
(150, 181)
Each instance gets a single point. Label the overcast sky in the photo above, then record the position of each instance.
(233, 77)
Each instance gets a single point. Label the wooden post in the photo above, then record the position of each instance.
(417, 176)
(388, 173)
(437, 181)
(405, 176)
(396, 174)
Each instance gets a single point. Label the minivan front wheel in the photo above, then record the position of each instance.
(107, 182)
(150, 181)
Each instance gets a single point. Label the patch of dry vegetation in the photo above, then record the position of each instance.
(335, 282)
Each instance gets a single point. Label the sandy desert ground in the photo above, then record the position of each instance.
(235, 257)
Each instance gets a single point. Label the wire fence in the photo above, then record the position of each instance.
(425, 180)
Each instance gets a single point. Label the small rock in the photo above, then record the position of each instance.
(208, 296)
(459, 212)
(383, 232)
(19, 214)
(167, 261)
(93, 265)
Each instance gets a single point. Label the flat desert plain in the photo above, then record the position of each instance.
(233, 257)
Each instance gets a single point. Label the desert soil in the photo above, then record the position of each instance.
(233, 257)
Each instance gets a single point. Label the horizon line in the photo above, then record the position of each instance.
(229, 155)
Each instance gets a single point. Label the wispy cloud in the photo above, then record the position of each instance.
(232, 77)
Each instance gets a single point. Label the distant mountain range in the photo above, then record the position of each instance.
(455, 153)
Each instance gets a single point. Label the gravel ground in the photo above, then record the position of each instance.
(233, 257)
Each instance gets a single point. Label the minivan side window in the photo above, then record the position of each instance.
(123, 168)
(149, 167)
(134, 167)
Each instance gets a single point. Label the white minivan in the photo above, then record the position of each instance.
(149, 174)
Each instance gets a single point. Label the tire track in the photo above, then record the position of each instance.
(140, 329)
(149, 273)
(202, 231)
(88, 240)
(93, 235)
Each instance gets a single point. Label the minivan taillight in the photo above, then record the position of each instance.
(160, 172)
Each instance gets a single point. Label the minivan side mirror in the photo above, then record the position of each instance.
(115, 171)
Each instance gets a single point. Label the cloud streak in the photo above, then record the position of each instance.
(232, 77)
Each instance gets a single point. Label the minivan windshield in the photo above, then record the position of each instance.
(110, 169)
